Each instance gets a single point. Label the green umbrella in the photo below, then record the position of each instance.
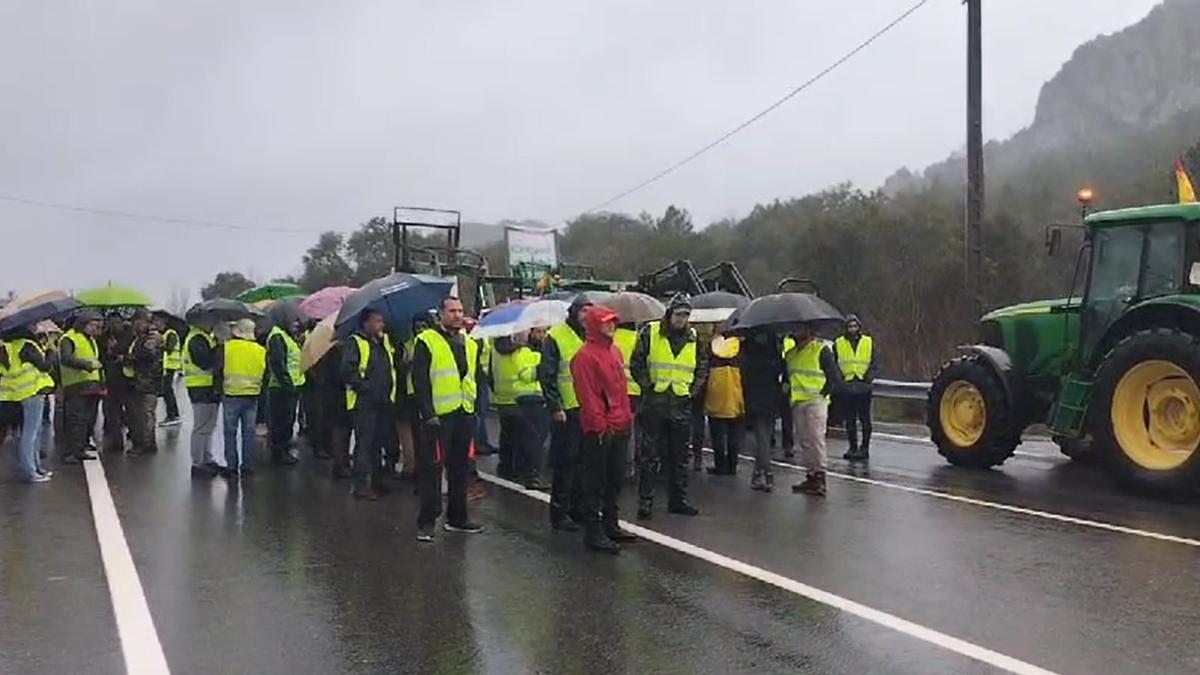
(113, 296)
(271, 291)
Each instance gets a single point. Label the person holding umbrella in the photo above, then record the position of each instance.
(812, 371)
(82, 374)
(143, 370)
(673, 374)
(856, 356)
(369, 371)
(444, 370)
(200, 359)
(24, 381)
(286, 379)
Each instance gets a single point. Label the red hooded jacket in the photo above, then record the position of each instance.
(599, 373)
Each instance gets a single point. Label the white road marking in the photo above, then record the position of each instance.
(139, 640)
(914, 630)
(1082, 522)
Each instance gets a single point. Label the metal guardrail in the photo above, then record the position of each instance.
(913, 391)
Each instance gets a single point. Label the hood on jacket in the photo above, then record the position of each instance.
(678, 302)
(593, 318)
(853, 318)
(505, 345)
(575, 311)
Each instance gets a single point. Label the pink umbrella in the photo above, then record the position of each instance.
(325, 302)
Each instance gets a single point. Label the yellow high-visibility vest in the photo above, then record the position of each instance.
(127, 367)
(854, 362)
(504, 377)
(86, 350)
(569, 345)
(804, 372)
(450, 391)
(364, 356)
(22, 379)
(625, 340)
(194, 376)
(667, 369)
(245, 365)
(528, 361)
(293, 358)
(172, 359)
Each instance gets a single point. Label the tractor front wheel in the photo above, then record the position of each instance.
(969, 417)
(1146, 411)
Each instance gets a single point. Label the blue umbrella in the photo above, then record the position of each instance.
(16, 318)
(519, 316)
(398, 296)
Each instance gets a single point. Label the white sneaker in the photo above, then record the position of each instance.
(39, 478)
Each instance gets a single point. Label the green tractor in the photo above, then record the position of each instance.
(1112, 374)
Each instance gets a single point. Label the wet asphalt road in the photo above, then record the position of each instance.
(288, 574)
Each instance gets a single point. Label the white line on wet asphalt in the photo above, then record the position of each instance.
(1047, 515)
(915, 630)
(139, 640)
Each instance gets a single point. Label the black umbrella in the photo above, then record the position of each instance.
(398, 296)
(284, 312)
(220, 309)
(27, 315)
(784, 309)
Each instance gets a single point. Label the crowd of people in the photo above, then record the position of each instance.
(601, 396)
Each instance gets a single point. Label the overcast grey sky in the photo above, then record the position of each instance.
(319, 114)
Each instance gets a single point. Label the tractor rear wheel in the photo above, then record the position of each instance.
(1146, 411)
(969, 417)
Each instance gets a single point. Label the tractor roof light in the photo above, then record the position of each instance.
(1085, 196)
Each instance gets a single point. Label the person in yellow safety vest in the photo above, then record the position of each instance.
(286, 377)
(855, 353)
(172, 364)
(200, 359)
(24, 381)
(812, 372)
(561, 345)
(516, 392)
(83, 386)
(673, 373)
(445, 372)
(625, 338)
(499, 365)
(242, 374)
(369, 371)
(143, 372)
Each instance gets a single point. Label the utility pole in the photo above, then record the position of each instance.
(974, 233)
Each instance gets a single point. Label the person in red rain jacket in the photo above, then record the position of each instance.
(598, 371)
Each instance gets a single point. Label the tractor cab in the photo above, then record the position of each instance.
(1112, 372)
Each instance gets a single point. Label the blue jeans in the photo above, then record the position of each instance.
(29, 463)
(244, 411)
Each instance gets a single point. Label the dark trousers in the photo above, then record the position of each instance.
(141, 409)
(79, 422)
(856, 410)
(281, 419)
(534, 427)
(310, 398)
(115, 416)
(168, 394)
(603, 460)
(727, 442)
(696, 439)
(370, 433)
(666, 450)
(333, 433)
(565, 488)
(445, 444)
(510, 439)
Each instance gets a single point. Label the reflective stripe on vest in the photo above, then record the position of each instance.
(194, 376)
(625, 340)
(293, 358)
(805, 376)
(504, 377)
(449, 391)
(245, 364)
(364, 358)
(854, 362)
(22, 379)
(569, 345)
(172, 360)
(667, 369)
(85, 350)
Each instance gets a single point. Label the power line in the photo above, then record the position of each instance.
(148, 217)
(811, 81)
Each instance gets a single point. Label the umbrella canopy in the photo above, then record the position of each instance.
(318, 343)
(220, 309)
(716, 306)
(171, 320)
(31, 309)
(283, 312)
(519, 316)
(783, 309)
(633, 307)
(325, 302)
(272, 291)
(594, 297)
(398, 296)
(113, 296)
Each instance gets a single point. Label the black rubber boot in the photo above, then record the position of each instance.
(597, 541)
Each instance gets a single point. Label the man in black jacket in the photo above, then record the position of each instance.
(764, 384)
(83, 387)
(286, 378)
(371, 385)
(856, 356)
(566, 435)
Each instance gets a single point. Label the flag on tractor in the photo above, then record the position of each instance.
(1187, 193)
